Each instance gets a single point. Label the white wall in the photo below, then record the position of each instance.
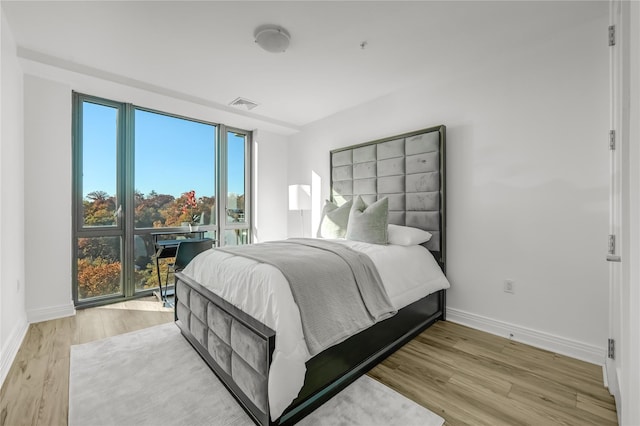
(270, 186)
(48, 176)
(527, 183)
(13, 318)
(47, 140)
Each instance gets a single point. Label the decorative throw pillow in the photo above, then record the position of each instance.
(407, 235)
(368, 223)
(333, 223)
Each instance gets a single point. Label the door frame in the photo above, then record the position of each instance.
(623, 371)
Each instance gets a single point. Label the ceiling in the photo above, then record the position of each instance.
(205, 49)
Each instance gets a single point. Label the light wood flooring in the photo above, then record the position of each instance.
(36, 390)
(464, 375)
(469, 377)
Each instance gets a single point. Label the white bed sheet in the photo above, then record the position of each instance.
(407, 272)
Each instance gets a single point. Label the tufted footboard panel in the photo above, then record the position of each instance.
(236, 346)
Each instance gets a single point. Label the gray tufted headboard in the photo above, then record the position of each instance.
(409, 169)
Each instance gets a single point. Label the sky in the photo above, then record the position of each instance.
(172, 155)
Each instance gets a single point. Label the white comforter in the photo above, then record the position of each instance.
(408, 274)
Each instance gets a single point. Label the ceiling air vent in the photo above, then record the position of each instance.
(243, 103)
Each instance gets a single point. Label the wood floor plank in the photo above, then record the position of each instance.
(34, 342)
(459, 363)
(433, 395)
(514, 370)
(23, 401)
(115, 321)
(590, 370)
(575, 378)
(466, 376)
(54, 405)
(604, 409)
(544, 367)
(425, 362)
(89, 326)
(457, 333)
(544, 386)
(498, 406)
(564, 415)
(535, 356)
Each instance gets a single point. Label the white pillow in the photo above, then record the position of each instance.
(406, 235)
(334, 219)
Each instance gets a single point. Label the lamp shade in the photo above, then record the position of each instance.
(299, 197)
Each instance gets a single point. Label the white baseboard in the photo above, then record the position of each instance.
(611, 378)
(574, 349)
(51, 312)
(10, 350)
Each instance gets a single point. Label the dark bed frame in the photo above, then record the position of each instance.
(219, 331)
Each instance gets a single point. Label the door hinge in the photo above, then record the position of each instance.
(612, 139)
(611, 254)
(612, 244)
(611, 349)
(612, 35)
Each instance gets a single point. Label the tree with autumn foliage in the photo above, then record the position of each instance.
(98, 277)
(149, 210)
(99, 268)
(99, 209)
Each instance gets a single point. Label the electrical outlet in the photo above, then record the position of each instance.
(508, 286)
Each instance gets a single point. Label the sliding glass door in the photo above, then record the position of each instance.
(140, 173)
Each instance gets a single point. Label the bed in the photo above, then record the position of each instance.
(223, 323)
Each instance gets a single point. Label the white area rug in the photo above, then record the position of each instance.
(154, 377)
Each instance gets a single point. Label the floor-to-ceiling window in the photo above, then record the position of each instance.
(139, 172)
(235, 220)
(174, 181)
(99, 238)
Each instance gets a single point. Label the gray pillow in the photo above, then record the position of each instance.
(369, 223)
(333, 223)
